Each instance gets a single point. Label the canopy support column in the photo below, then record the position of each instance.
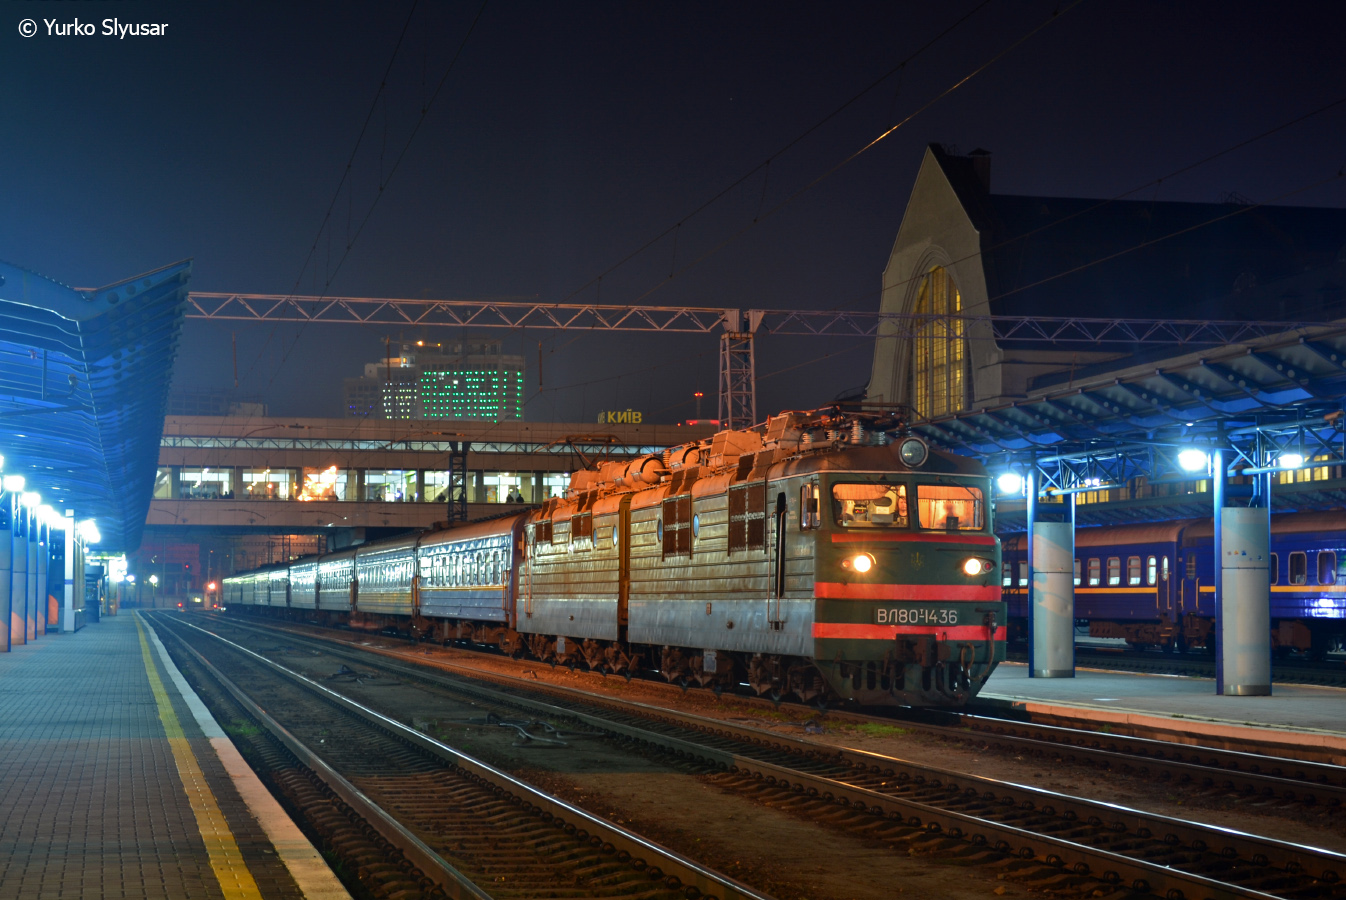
(1051, 585)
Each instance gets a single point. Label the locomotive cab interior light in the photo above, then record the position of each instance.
(913, 452)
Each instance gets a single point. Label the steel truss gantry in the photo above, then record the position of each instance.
(738, 328)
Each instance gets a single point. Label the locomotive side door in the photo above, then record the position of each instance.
(621, 535)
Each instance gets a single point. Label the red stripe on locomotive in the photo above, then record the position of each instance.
(835, 590)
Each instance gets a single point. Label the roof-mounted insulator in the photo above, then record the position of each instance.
(857, 432)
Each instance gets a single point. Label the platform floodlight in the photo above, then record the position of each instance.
(131, 579)
(1010, 482)
(154, 579)
(31, 499)
(14, 484)
(47, 516)
(1193, 460)
(1290, 460)
(88, 531)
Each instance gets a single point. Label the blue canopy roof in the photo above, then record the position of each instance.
(84, 378)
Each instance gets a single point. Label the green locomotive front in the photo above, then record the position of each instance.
(907, 602)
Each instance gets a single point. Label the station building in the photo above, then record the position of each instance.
(963, 250)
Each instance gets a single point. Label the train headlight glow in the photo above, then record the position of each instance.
(860, 562)
(973, 566)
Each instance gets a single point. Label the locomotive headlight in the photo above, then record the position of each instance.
(974, 566)
(860, 562)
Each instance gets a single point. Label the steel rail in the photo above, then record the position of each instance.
(1080, 859)
(434, 866)
(711, 884)
(1260, 772)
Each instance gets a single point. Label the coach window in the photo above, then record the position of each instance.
(1133, 571)
(1299, 567)
(1006, 579)
(1191, 565)
(1023, 573)
(1114, 571)
(1151, 570)
(1327, 567)
(1077, 573)
(1093, 572)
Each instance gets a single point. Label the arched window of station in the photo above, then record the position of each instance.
(938, 349)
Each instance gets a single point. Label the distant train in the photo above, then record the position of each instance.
(1153, 585)
(812, 558)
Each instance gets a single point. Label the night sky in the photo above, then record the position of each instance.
(568, 135)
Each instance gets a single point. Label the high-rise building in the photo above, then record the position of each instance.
(466, 379)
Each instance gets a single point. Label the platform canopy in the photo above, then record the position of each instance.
(84, 378)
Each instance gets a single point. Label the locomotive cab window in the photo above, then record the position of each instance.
(1093, 572)
(1077, 573)
(870, 505)
(1327, 567)
(1299, 567)
(1114, 571)
(1132, 571)
(950, 507)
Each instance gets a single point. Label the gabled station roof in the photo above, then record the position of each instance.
(84, 378)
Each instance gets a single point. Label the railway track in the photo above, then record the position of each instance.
(414, 817)
(1082, 840)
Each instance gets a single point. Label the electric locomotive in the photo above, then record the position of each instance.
(813, 557)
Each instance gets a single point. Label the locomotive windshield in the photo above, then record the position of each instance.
(870, 505)
(950, 507)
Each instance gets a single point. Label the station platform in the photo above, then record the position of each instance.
(116, 782)
(1307, 721)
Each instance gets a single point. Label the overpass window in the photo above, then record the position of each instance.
(390, 485)
(1077, 573)
(1114, 571)
(163, 484)
(1299, 567)
(323, 484)
(197, 483)
(1151, 570)
(938, 349)
(1133, 571)
(1327, 567)
(1093, 572)
(268, 484)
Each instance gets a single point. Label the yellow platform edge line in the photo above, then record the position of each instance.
(226, 861)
